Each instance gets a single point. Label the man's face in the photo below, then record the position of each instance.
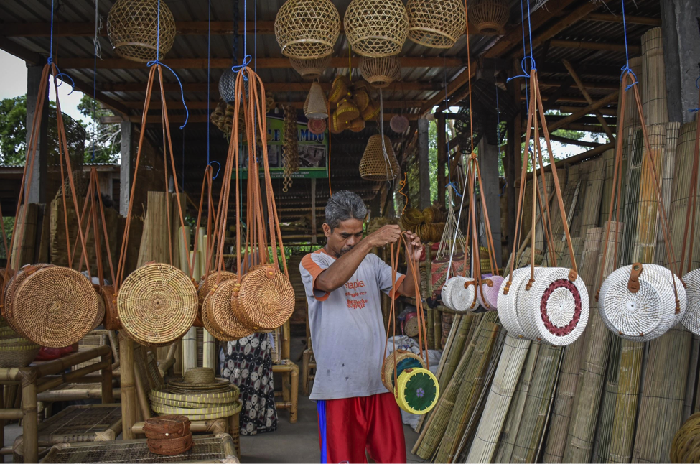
(344, 237)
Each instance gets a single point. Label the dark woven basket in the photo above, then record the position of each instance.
(167, 427)
(170, 446)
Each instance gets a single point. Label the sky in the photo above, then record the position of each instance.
(13, 83)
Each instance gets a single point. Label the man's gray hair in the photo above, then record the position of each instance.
(344, 205)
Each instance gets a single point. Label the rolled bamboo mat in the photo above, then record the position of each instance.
(498, 401)
(630, 218)
(653, 92)
(154, 240)
(609, 159)
(577, 219)
(668, 163)
(584, 415)
(506, 440)
(537, 404)
(601, 446)
(433, 433)
(681, 193)
(594, 194)
(569, 182)
(661, 402)
(430, 326)
(58, 245)
(469, 390)
(632, 121)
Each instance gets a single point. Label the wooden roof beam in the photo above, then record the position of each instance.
(584, 111)
(604, 46)
(402, 87)
(203, 118)
(202, 105)
(612, 18)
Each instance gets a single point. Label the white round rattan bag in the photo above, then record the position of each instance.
(488, 296)
(691, 318)
(508, 304)
(464, 296)
(554, 309)
(646, 314)
(448, 290)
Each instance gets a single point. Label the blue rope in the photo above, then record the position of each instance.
(246, 58)
(48, 60)
(217, 169)
(626, 68)
(455, 189)
(526, 56)
(697, 86)
(183, 160)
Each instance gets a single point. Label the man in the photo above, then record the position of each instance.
(343, 282)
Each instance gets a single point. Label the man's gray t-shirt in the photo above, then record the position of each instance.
(347, 329)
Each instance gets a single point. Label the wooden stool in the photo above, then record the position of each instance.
(308, 370)
(290, 387)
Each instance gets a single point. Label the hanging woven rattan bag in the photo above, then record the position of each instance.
(646, 313)
(218, 316)
(266, 298)
(508, 303)
(554, 309)
(450, 290)
(55, 306)
(691, 318)
(488, 295)
(111, 312)
(464, 295)
(11, 289)
(157, 304)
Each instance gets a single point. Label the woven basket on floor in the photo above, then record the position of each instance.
(381, 72)
(132, 26)
(55, 306)
(307, 28)
(646, 314)
(376, 28)
(194, 399)
(509, 304)
(488, 295)
(436, 24)
(554, 309)
(347, 111)
(200, 375)
(157, 304)
(206, 412)
(399, 123)
(169, 426)
(404, 360)
(170, 446)
(265, 300)
(218, 316)
(489, 16)
(311, 68)
(374, 165)
(691, 318)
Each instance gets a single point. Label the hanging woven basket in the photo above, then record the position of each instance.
(111, 312)
(347, 111)
(647, 313)
(307, 29)
(335, 126)
(381, 72)
(357, 125)
(691, 318)
(339, 89)
(488, 295)
(376, 165)
(55, 306)
(376, 28)
(132, 26)
(361, 99)
(266, 299)
(371, 112)
(489, 16)
(11, 290)
(436, 24)
(399, 123)
(157, 304)
(417, 391)
(509, 304)
(218, 316)
(227, 85)
(554, 309)
(311, 68)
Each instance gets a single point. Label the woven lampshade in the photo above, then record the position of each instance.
(646, 314)
(436, 24)
(339, 89)
(489, 16)
(317, 126)
(311, 68)
(357, 125)
(347, 111)
(381, 72)
(132, 26)
(317, 108)
(691, 318)
(157, 304)
(307, 28)
(266, 299)
(374, 165)
(55, 306)
(399, 123)
(376, 28)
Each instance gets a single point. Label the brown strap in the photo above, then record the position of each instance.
(692, 201)
(635, 272)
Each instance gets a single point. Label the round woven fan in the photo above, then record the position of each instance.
(436, 24)
(418, 391)
(646, 314)
(266, 298)
(55, 307)
(376, 28)
(488, 295)
(132, 26)
(218, 316)
(691, 318)
(464, 296)
(157, 304)
(554, 309)
(307, 28)
(404, 360)
(399, 123)
(508, 304)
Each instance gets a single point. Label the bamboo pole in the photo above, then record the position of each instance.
(463, 324)
(30, 429)
(601, 447)
(128, 402)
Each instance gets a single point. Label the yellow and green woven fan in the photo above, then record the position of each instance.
(417, 391)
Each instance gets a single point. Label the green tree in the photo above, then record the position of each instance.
(104, 140)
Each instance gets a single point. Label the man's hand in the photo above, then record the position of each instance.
(414, 248)
(383, 236)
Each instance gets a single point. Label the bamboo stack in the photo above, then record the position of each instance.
(667, 171)
(594, 193)
(653, 90)
(609, 160)
(630, 218)
(506, 441)
(594, 365)
(499, 398)
(27, 226)
(154, 241)
(456, 348)
(601, 448)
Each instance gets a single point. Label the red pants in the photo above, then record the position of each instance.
(347, 427)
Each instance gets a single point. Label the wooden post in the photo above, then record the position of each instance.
(30, 429)
(424, 162)
(107, 393)
(294, 380)
(37, 191)
(314, 230)
(586, 95)
(128, 386)
(441, 158)
(127, 169)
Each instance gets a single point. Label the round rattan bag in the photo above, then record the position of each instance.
(218, 316)
(488, 295)
(157, 304)
(111, 312)
(266, 298)
(448, 290)
(691, 318)
(11, 289)
(404, 360)
(554, 309)
(464, 295)
(508, 303)
(647, 313)
(55, 306)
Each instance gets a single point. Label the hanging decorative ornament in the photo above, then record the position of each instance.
(375, 165)
(132, 26)
(227, 84)
(376, 28)
(488, 295)
(436, 24)
(489, 16)
(638, 302)
(371, 112)
(317, 126)
(417, 390)
(339, 89)
(311, 68)
(381, 72)
(307, 29)
(317, 107)
(357, 125)
(335, 126)
(347, 111)
(361, 99)
(399, 123)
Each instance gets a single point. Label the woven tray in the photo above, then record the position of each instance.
(204, 398)
(211, 412)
